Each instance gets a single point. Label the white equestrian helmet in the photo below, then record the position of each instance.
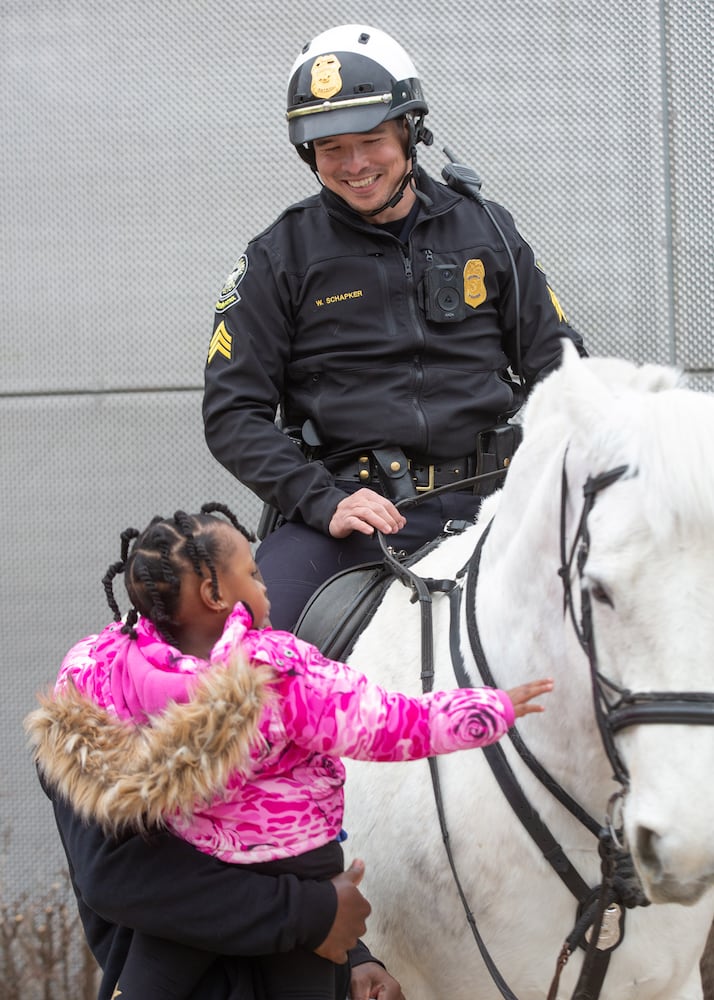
(351, 79)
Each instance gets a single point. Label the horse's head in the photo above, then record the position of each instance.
(639, 552)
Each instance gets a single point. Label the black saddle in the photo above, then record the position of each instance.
(340, 609)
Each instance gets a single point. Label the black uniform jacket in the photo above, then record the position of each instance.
(380, 342)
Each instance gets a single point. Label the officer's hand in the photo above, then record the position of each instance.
(365, 511)
(371, 980)
(350, 920)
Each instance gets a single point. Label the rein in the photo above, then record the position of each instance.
(422, 589)
(601, 909)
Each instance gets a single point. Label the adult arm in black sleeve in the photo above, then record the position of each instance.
(165, 887)
(244, 382)
(542, 323)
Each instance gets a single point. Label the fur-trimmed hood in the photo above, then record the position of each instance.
(127, 776)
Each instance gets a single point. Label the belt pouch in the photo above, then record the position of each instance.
(393, 472)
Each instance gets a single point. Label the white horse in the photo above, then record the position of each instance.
(645, 564)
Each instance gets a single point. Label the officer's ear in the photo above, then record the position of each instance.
(406, 136)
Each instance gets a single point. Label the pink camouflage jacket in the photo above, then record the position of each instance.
(288, 797)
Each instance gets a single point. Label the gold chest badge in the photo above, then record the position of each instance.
(474, 283)
(325, 77)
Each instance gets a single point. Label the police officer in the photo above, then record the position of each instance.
(382, 319)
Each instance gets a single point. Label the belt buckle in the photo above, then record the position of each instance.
(430, 482)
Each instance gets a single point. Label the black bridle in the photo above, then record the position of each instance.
(615, 709)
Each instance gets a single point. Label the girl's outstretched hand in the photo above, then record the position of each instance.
(522, 696)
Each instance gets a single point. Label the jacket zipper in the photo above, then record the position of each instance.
(418, 365)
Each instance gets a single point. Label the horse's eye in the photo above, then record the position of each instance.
(599, 594)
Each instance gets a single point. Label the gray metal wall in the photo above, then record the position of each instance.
(142, 144)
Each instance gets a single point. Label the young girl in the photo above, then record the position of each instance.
(246, 727)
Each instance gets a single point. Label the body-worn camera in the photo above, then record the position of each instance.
(443, 294)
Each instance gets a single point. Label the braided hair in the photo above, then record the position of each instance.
(158, 559)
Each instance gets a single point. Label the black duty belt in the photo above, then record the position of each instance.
(425, 475)
(401, 477)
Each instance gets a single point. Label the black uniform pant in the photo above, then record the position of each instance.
(164, 970)
(156, 969)
(294, 560)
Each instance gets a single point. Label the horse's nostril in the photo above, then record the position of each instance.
(647, 845)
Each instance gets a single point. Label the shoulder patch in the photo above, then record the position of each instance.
(228, 295)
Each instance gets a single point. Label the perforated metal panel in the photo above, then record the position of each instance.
(690, 103)
(143, 144)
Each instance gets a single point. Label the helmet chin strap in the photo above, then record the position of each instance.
(417, 133)
(395, 199)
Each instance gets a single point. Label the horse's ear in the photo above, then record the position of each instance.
(657, 378)
(546, 399)
(583, 389)
(620, 374)
(586, 396)
(593, 388)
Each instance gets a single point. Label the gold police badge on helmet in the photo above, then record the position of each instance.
(325, 76)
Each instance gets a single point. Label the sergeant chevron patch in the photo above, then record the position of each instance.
(556, 305)
(221, 343)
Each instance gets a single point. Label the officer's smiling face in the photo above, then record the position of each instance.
(366, 168)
